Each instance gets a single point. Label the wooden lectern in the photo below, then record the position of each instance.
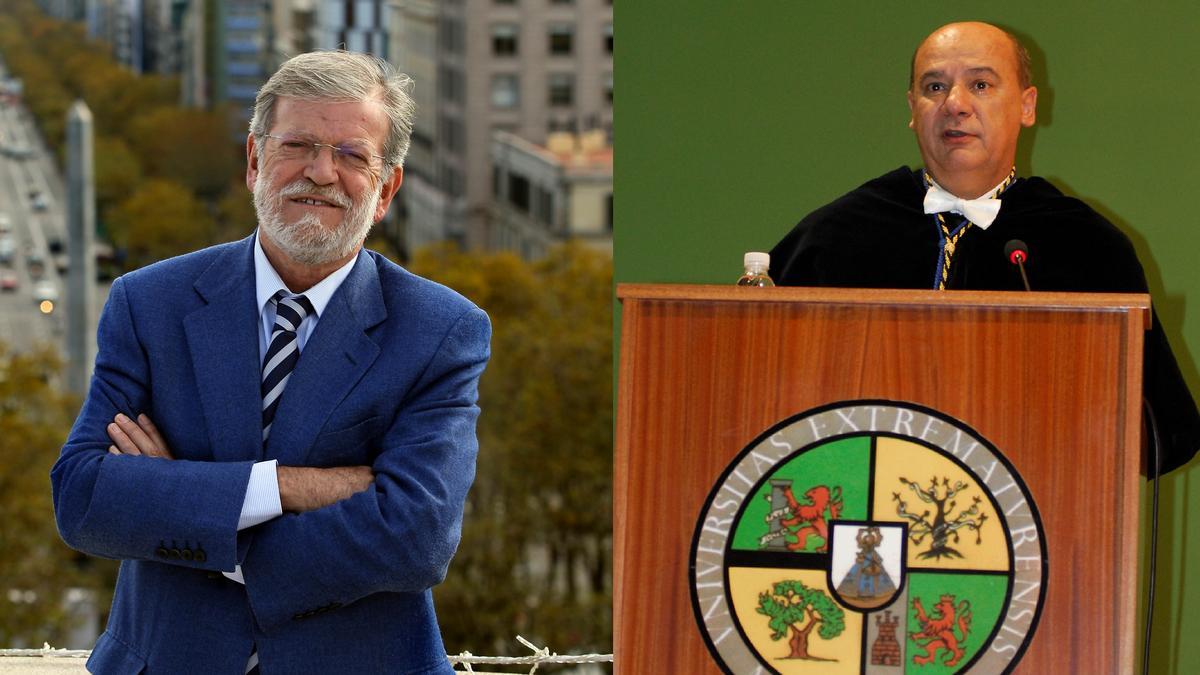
(1053, 380)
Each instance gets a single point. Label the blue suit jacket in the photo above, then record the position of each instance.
(389, 379)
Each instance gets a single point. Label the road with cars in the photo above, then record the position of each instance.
(32, 236)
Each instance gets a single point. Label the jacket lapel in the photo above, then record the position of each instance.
(223, 339)
(335, 358)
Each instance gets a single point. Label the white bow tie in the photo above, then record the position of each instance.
(980, 211)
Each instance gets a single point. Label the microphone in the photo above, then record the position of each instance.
(1017, 253)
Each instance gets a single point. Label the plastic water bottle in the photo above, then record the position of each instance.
(756, 264)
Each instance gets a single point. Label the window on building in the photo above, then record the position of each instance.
(450, 133)
(497, 176)
(608, 38)
(561, 89)
(450, 35)
(608, 88)
(506, 91)
(518, 192)
(452, 182)
(562, 38)
(608, 211)
(450, 84)
(504, 39)
(544, 209)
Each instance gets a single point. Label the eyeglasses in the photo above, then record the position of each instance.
(349, 155)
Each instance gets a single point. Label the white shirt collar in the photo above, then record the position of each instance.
(267, 281)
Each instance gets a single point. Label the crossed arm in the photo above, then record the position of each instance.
(343, 536)
(301, 488)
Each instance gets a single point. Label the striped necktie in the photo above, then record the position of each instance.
(282, 353)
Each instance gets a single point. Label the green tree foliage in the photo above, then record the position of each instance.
(118, 171)
(798, 608)
(190, 146)
(141, 132)
(160, 219)
(235, 212)
(537, 539)
(35, 566)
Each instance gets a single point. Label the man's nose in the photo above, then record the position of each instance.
(322, 167)
(958, 101)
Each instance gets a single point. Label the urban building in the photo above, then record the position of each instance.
(121, 24)
(292, 30)
(549, 194)
(164, 36)
(529, 68)
(227, 54)
(353, 25)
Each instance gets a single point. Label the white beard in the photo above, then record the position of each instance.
(308, 241)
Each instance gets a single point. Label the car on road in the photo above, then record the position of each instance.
(18, 151)
(39, 202)
(9, 281)
(5, 224)
(45, 295)
(45, 290)
(8, 249)
(36, 265)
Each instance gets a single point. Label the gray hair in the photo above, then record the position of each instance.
(342, 76)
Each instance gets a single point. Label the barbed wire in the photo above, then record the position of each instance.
(47, 650)
(541, 656)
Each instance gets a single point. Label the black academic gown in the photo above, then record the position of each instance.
(878, 236)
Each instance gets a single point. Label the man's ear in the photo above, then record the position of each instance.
(390, 187)
(911, 103)
(1029, 106)
(251, 162)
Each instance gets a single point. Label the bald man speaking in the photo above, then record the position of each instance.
(947, 225)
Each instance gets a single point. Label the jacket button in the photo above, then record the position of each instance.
(186, 554)
(199, 555)
(160, 552)
(174, 553)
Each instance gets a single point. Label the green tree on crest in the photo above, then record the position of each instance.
(799, 608)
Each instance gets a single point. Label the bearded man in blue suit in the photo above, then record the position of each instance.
(280, 433)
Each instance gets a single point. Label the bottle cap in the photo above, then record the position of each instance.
(756, 258)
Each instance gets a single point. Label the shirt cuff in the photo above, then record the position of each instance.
(236, 575)
(262, 495)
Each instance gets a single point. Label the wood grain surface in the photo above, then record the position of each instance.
(1052, 380)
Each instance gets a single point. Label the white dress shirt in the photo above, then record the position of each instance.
(262, 494)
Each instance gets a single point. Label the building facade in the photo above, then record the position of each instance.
(549, 194)
(529, 68)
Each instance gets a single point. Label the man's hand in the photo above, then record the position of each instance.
(137, 438)
(303, 488)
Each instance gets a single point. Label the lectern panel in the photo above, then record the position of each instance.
(1051, 380)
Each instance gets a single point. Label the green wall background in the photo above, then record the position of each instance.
(738, 118)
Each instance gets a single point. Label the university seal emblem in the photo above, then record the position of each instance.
(868, 537)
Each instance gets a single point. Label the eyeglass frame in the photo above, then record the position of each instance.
(316, 146)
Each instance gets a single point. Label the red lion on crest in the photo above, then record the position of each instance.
(938, 632)
(812, 515)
